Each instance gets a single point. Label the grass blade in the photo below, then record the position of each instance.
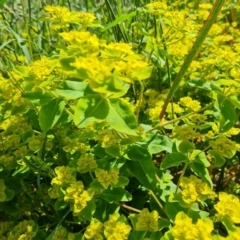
(200, 38)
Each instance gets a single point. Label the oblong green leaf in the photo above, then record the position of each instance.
(173, 160)
(50, 113)
(116, 194)
(144, 171)
(92, 108)
(121, 118)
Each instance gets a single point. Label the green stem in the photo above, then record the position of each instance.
(182, 175)
(180, 118)
(195, 48)
(158, 203)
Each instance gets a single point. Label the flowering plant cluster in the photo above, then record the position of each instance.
(120, 122)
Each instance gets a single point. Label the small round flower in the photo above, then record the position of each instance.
(106, 178)
(229, 206)
(147, 221)
(64, 175)
(94, 230)
(86, 163)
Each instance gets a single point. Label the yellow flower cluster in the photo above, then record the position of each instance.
(156, 7)
(226, 147)
(228, 206)
(184, 229)
(106, 178)
(79, 197)
(94, 230)
(185, 132)
(107, 138)
(194, 189)
(62, 17)
(41, 68)
(189, 103)
(86, 163)
(24, 230)
(64, 175)
(147, 221)
(113, 229)
(5, 228)
(82, 42)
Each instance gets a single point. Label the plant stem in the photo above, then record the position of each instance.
(158, 202)
(181, 176)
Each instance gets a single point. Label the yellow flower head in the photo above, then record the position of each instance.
(156, 7)
(229, 206)
(147, 221)
(224, 146)
(64, 175)
(94, 230)
(115, 229)
(187, 102)
(184, 229)
(194, 189)
(86, 163)
(106, 178)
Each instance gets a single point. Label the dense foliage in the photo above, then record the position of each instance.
(119, 120)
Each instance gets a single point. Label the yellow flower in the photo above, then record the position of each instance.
(94, 230)
(64, 175)
(226, 147)
(86, 163)
(147, 221)
(106, 178)
(80, 202)
(194, 189)
(115, 229)
(184, 229)
(229, 206)
(156, 7)
(187, 102)
(185, 132)
(78, 196)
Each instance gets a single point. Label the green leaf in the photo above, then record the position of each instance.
(144, 171)
(186, 146)
(173, 208)
(228, 115)
(38, 97)
(136, 235)
(200, 170)
(50, 113)
(9, 194)
(121, 118)
(200, 156)
(72, 89)
(60, 205)
(40, 235)
(137, 153)
(113, 87)
(122, 182)
(219, 160)
(96, 185)
(10, 207)
(159, 143)
(116, 194)
(92, 108)
(173, 160)
(143, 73)
(2, 2)
(88, 211)
(120, 19)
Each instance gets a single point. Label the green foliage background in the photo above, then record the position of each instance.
(119, 119)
